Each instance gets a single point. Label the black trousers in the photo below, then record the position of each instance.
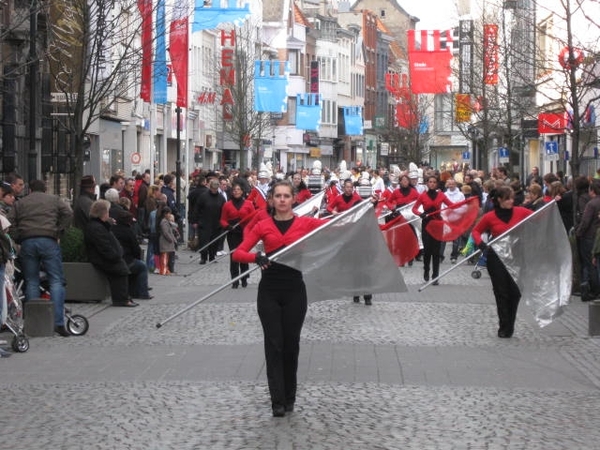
(282, 311)
(431, 252)
(207, 235)
(234, 239)
(119, 288)
(506, 291)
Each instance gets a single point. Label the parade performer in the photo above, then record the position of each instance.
(431, 201)
(234, 214)
(405, 194)
(503, 217)
(302, 191)
(282, 299)
(258, 194)
(346, 200)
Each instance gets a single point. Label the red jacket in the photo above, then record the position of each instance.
(303, 195)
(340, 204)
(399, 199)
(331, 193)
(257, 198)
(273, 240)
(429, 205)
(491, 224)
(230, 214)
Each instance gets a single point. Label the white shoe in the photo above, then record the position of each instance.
(221, 253)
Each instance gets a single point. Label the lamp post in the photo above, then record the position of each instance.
(33, 92)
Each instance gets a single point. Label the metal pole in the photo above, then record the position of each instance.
(33, 92)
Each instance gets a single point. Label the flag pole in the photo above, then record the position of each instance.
(466, 258)
(273, 257)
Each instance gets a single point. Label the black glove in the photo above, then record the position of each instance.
(482, 246)
(261, 260)
(423, 215)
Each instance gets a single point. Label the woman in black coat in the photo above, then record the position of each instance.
(106, 254)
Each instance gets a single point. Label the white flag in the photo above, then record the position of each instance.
(345, 257)
(537, 254)
(306, 207)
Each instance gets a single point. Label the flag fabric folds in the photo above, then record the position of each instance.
(270, 86)
(455, 220)
(537, 254)
(429, 57)
(353, 120)
(145, 8)
(306, 207)
(207, 17)
(401, 240)
(179, 49)
(347, 256)
(161, 70)
(308, 112)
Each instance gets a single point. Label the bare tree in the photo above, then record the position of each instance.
(94, 58)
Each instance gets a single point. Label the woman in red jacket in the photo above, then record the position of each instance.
(234, 214)
(503, 217)
(431, 200)
(302, 192)
(282, 300)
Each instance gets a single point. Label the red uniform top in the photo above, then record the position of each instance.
(401, 197)
(331, 193)
(267, 231)
(430, 205)
(230, 215)
(257, 198)
(259, 214)
(492, 224)
(342, 203)
(303, 195)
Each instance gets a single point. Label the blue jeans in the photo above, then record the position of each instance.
(46, 251)
(138, 279)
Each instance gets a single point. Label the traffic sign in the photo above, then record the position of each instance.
(136, 158)
(466, 156)
(551, 148)
(503, 155)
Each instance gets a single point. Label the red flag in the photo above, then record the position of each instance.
(552, 123)
(429, 57)
(401, 240)
(179, 49)
(145, 7)
(455, 221)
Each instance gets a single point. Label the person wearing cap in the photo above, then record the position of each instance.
(83, 203)
(258, 194)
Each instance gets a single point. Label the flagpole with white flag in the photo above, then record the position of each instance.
(544, 276)
(384, 276)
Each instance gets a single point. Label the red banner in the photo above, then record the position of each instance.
(179, 50)
(429, 57)
(455, 220)
(490, 54)
(552, 123)
(401, 240)
(145, 7)
(462, 108)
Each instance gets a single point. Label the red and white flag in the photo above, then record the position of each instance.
(429, 57)
(455, 220)
(401, 240)
(179, 48)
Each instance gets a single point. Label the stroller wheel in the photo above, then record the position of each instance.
(476, 274)
(77, 325)
(20, 343)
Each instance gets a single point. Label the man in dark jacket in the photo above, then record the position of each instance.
(206, 218)
(37, 223)
(83, 203)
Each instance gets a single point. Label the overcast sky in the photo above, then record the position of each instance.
(433, 14)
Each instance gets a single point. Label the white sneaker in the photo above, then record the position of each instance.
(221, 253)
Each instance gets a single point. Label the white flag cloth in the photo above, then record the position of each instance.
(345, 257)
(537, 254)
(305, 208)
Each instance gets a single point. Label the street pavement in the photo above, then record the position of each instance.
(416, 370)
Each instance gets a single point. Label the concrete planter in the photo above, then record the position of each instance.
(85, 283)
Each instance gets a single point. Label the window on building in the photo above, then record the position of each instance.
(291, 110)
(294, 59)
(444, 113)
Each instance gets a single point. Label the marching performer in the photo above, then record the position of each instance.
(258, 194)
(503, 217)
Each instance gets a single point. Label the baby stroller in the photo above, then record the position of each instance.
(12, 312)
(76, 324)
(481, 261)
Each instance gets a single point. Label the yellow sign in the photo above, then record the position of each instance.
(314, 152)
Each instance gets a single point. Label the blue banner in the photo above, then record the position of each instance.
(160, 71)
(308, 112)
(207, 17)
(353, 120)
(270, 86)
